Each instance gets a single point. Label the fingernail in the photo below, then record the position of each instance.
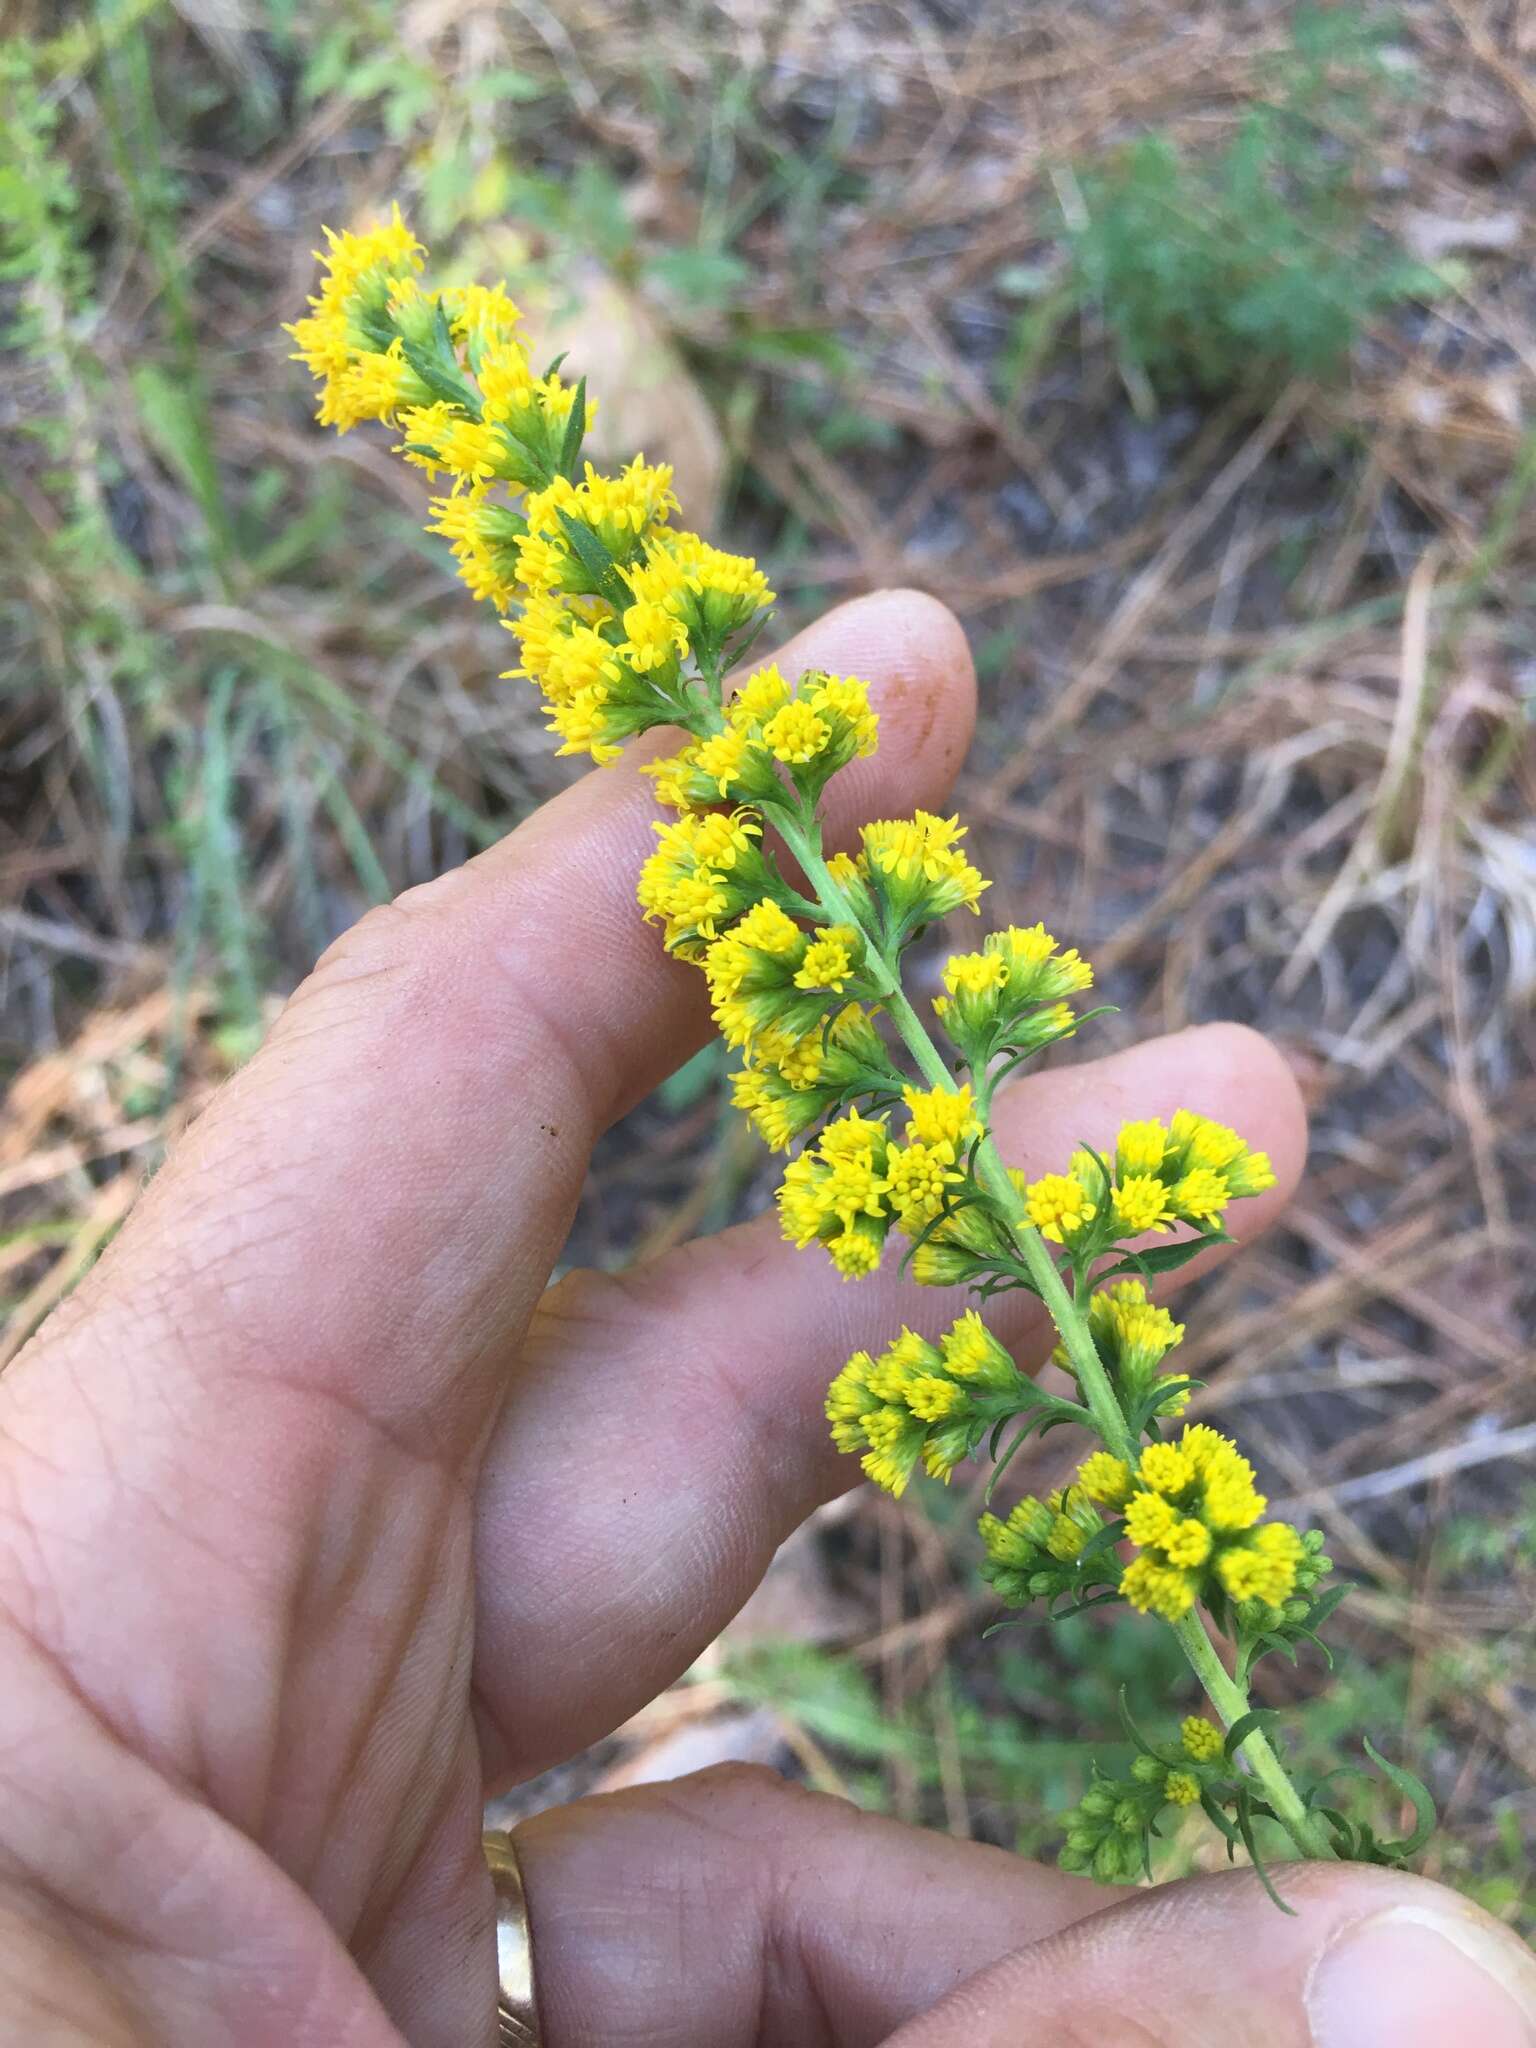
(1415, 1978)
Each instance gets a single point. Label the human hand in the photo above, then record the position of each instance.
(319, 1518)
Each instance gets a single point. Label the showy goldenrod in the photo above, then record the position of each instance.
(624, 622)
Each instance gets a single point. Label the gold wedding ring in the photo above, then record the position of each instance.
(517, 2009)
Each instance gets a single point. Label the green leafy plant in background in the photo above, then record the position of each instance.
(1051, 1726)
(1257, 262)
(207, 743)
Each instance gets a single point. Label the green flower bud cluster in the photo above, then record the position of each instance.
(1038, 1552)
(1109, 1831)
(1260, 1617)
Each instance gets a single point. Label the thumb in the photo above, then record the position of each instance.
(1367, 1959)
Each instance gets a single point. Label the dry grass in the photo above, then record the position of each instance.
(1256, 716)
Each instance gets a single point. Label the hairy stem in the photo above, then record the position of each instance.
(1227, 1696)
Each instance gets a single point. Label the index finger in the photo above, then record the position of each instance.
(372, 1206)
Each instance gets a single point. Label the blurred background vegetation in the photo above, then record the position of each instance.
(1189, 352)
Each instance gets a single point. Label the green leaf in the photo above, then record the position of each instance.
(1101, 1163)
(1157, 1397)
(1218, 1818)
(1133, 1734)
(505, 83)
(1251, 1723)
(1164, 1258)
(1102, 1539)
(1245, 1829)
(596, 560)
(709, 278)
(1108, 1598)
(1417, 1793)
(575, 428)
(170, 424)
(442, 378)
(1324, 1606)
(693, 1079)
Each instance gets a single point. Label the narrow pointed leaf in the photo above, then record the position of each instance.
(1416, 1792)
(1246, 1725)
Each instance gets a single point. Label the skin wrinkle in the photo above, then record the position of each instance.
(56, 1988)
(1120, 1975)
(787, 1957)
(884, 1920)
(440, 1920)
(153, 1806)
(397, 1637)
(62, 1646)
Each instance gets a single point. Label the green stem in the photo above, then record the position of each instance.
(1231, 1702)
(1230, 1699)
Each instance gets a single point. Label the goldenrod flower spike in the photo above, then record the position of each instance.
(624, 621)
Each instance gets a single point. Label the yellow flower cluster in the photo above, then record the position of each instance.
(834, 1192)
(919, 1401)
(1193, 1512)
(810, 729)
(346, 340)
(847, 1189)
(1132, 1336)
(788, 1083)
(1201, 1739)
(706, 871)
(1187, 1172)
(1011, 993)
(625, 622)
(608, 599)
(767, 972)
(915, 868)
(1107, 1832)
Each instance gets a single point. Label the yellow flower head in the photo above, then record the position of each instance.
(837, 1186)
(941, 1116)
(972, 1353)
(1263, 1568)
(483, 318)
(830, 960)
(904, 1405)
(920, 866)
(1059, 1207)
(653, 638)
(1154, 1588)
(1140, 1148)
(372, 385)
(764, 693)
(920, 1178)
(705, 871)
(1141, 1204)
(1105, 1478)
(438, 437)
(1133, 1337)
(1200, 1196)
(843, 703)
(795, 734)
(975, 974)
(1201, 1739)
